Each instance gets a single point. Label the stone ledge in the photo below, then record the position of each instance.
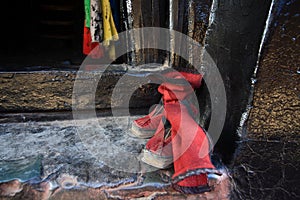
(53, 90)
(73, 165)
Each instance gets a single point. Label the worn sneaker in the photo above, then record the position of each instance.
(146, 126)
(158, 150)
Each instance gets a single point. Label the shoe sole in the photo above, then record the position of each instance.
(158, 161)
(141, 133)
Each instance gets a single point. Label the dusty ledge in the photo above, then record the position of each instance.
(52, 90)
(67, 165)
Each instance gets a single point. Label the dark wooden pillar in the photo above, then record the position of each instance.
(233, 41)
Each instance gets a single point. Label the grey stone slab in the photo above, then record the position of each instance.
(65, 149)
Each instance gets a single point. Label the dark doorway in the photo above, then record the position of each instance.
(45, 32)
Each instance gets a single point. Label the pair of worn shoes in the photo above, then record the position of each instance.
(175, 136)
(157, 153)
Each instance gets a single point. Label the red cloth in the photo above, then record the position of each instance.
(193, 79)
(152, 120)
(189, 142)
(93, 49)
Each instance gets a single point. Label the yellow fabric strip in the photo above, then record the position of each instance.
(109, 28)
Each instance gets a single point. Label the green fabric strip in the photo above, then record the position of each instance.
(87, 13)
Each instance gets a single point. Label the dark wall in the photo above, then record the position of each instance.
(15, 24)
(40, 27)
(233, 41)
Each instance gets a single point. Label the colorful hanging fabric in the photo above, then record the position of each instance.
(99, 27)
(87, 12)
(86, 40)
(115, 8)
(94, 49)
(96, 21)
(109, 28)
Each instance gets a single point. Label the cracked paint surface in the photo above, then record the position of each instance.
(267, 160)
